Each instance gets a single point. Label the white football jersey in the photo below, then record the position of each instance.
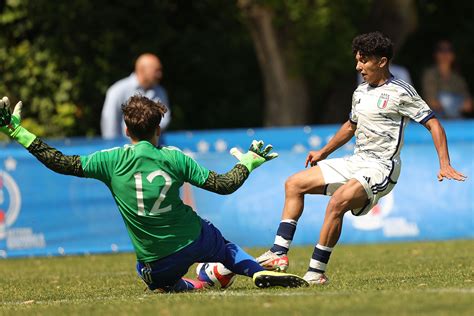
(381, 114)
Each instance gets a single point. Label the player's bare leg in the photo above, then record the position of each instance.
(296, 186)
(350, 196)
(307, 181)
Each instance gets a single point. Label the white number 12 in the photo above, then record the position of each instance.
(139, 186)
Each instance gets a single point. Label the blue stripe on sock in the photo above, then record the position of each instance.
(279, 249)
(315, 270)
(321, 255)
(286, 230)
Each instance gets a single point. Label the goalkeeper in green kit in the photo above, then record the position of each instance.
(167, 235)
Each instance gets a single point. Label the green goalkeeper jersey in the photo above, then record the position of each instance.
(145, 181)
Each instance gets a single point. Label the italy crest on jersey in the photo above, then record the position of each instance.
(383, 101)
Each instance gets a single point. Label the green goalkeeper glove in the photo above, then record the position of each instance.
(10, 123)
(256, 156)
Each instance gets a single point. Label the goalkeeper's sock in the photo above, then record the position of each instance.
(284, 236)
(319, 259)
(186, 284)
(240, 262)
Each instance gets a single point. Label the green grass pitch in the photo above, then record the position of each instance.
(432, 278)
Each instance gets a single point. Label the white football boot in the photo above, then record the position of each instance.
(315, 278)
(273, 262)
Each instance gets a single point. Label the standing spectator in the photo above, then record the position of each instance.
(145, 81)
(444, 89)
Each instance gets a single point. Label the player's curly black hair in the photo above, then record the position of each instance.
(373, 44)
(142, 116)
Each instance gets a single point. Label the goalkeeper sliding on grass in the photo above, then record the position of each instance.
(167, 235)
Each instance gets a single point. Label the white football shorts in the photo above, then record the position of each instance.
(377, 178)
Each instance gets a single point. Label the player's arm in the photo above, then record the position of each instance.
(229, 182)
(49, 156)
(56, 160)
(226, 183)
(441, 145)
(345, 133)
(413, 106)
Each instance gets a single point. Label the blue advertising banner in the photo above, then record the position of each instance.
(44, 213)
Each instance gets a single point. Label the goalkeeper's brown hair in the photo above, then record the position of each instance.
(142, 116)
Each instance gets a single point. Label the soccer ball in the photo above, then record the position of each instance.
(215, 275)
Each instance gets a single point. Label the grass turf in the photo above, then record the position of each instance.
(432, 278)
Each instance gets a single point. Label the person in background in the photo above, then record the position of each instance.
(444, 89)
(145, 80)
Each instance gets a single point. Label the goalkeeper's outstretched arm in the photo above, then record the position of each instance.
(56, 160)
(226, 183)
(229, 182)
(10, 125)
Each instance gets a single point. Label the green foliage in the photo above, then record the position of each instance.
(31, 76)
(61, 56)
(321, 34)
(391, 279)
(29, 72)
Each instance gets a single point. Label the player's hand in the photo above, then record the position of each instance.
(256, 156)
(314, 157)
(10, 123)
(450, 173)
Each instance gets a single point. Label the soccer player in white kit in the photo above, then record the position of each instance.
(381, 107)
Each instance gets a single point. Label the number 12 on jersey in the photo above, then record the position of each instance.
(156, 209)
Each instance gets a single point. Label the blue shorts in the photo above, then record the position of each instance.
(163, 273)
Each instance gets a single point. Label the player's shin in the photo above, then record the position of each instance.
(276, 258)
(284, 236)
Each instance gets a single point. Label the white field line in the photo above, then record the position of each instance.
(339, 293)
(238, 294)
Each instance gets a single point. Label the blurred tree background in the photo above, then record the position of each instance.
(220, 58)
